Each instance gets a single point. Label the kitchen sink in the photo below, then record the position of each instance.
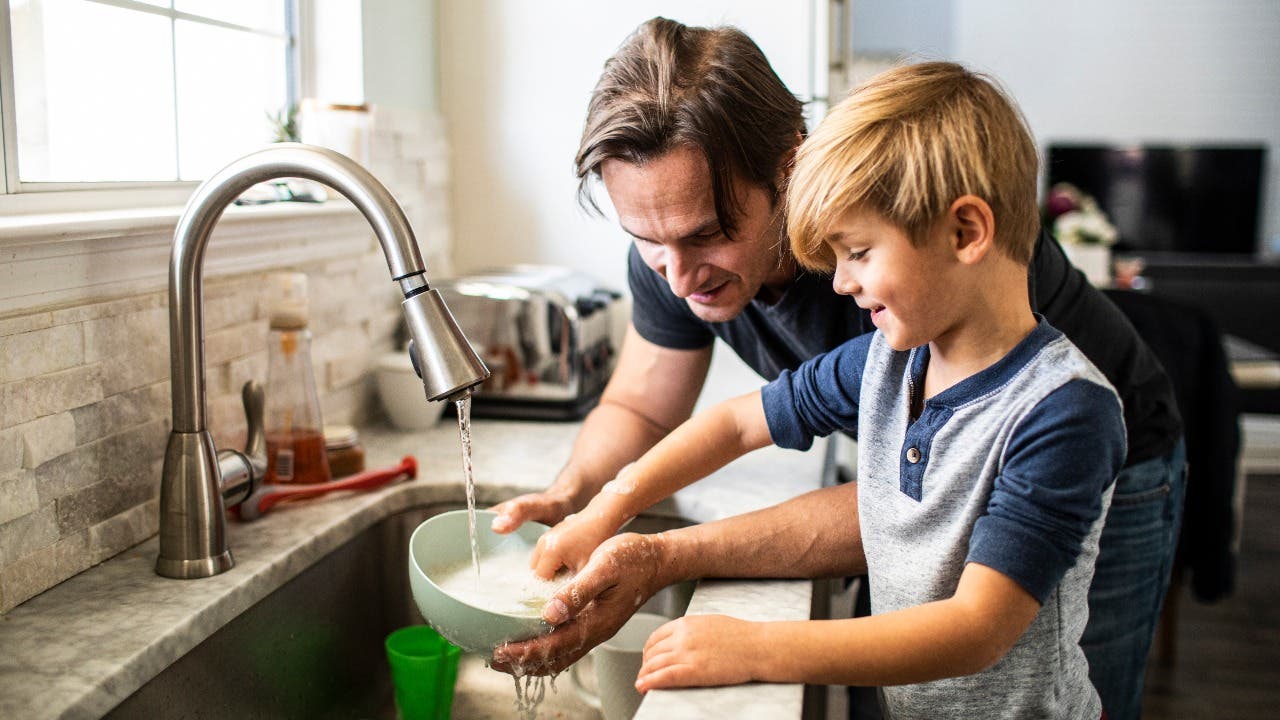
(314, 647)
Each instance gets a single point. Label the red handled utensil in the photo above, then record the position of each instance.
(265, 497)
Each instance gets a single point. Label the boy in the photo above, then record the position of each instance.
(987, 442)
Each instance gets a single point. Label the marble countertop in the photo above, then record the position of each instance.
(80, 648)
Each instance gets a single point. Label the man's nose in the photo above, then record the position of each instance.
(682, 272)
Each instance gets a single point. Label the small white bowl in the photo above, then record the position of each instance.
(402, 394)
(440, 543)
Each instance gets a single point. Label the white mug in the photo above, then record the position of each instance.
(617, 663)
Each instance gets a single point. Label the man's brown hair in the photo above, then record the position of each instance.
(708, 88)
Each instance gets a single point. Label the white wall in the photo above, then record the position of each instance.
(515, 80)
(400, 53)
(516, 75)
(890, 26)
(1137, 71)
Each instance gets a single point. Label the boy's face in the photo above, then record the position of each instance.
(909, 289)
(667, 205)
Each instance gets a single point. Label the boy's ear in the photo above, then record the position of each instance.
(972, 228)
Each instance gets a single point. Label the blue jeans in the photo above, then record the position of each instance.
(1131, 577)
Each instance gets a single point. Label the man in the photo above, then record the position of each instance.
(692, 134)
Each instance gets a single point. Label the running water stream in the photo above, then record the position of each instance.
(530, 689)
(468, 473)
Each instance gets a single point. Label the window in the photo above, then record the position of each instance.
(140, 91)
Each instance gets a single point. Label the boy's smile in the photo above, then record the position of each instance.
(904, 286)
(947, 291)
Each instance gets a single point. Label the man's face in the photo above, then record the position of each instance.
(668, 207)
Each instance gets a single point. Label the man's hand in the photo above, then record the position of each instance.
(621, 574)
(548, 507)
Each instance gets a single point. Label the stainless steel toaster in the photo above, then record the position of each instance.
(546, 333)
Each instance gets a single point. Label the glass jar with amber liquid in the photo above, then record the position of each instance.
(294, 430)
(346, 454)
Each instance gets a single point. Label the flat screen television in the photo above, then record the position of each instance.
(1188, 199)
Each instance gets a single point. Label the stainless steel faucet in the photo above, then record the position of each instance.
(197, 479)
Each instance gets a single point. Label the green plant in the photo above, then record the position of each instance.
(284, 124)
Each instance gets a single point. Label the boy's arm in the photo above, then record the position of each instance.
(821, 396)
(653, 389)
(700, 446)
(1049, 495)
(961, 635)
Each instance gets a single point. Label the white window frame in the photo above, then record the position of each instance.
(18, 197)
(61, 246)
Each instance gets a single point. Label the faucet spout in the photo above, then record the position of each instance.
(192, 522)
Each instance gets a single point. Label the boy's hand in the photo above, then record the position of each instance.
(572, 541)
(549, 507)
(701, 650)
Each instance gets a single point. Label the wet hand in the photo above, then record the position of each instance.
(621, 574)
(570, 543)
(701, 650)
(549, 507)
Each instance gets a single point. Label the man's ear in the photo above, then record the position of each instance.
(786, 164)
(972, 228)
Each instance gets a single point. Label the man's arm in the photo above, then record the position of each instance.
(814, 535)
(653, 389)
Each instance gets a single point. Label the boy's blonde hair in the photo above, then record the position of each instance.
(906, 144)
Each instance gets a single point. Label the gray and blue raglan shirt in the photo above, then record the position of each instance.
(1011, 468)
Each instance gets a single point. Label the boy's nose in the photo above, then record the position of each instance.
(843, 281)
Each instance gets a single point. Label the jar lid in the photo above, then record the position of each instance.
(340, 436)
(288, 308)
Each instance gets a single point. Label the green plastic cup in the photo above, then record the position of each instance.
(424, 668)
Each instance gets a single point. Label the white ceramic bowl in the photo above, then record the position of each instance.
(440, 544)
(402, 394)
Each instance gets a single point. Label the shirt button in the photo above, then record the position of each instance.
(913, 455)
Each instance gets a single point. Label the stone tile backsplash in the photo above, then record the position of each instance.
(84, 390)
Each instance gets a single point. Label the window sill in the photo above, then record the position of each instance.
(31, 229)
(65, 258)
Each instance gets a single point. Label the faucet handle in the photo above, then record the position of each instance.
(255, 444)
(240, 472)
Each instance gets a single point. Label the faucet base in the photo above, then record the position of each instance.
(192, 569)
(193, 531)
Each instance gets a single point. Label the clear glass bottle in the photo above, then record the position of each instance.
(294, 430)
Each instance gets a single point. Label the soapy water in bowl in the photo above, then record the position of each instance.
(507, 584)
